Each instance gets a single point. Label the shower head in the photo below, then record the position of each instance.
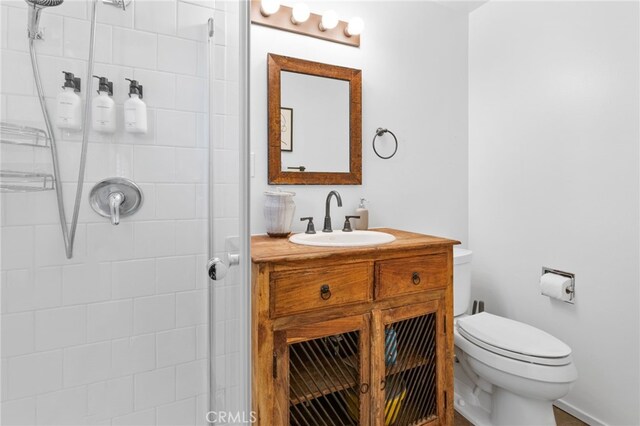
(44, 3)
(35, 7)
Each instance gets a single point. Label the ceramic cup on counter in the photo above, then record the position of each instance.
(278, 212)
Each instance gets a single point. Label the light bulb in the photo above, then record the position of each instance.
(354, 27)
(329, 20)
(300, 13)
(269, 7)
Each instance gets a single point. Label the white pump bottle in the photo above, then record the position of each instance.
(103, 109)
(363, 212)
(68, 104)
(135, 110)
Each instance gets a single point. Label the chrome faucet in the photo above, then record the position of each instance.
(327, 210)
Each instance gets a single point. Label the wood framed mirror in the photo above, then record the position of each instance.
(315, 123)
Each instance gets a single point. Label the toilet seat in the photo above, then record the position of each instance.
(534, 371)
(513, 339)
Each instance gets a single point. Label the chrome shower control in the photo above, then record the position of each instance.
(115, 198)
(115, 201)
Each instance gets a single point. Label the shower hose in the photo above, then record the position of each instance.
(68, 232)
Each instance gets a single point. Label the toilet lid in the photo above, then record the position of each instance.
(514, 339)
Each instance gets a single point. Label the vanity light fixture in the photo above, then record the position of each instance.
(269, 7)
(298, 19)
(300, 13)
(355, 26)
(329, 20)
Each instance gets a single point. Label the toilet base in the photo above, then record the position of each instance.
(468, 404)
(509, 409)
(500, 407)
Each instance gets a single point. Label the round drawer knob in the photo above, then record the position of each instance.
(416, 278)
(325, 292)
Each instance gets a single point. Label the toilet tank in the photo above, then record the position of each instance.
(461, 280)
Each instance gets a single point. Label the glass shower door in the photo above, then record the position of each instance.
(229, 221)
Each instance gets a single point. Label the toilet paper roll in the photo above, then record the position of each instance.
(556, 286)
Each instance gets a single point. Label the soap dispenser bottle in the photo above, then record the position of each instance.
(68, 104)
(103, 109)
(135, 110)
(362, 223)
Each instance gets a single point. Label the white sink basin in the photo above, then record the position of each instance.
(343, 239)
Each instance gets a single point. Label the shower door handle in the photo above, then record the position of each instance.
(217, 268)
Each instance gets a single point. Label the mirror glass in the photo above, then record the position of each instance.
(314, 118)
(315, 123)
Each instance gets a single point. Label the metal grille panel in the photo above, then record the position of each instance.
(324, 381)
(411, 379)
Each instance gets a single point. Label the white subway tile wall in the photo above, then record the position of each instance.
(119, 334)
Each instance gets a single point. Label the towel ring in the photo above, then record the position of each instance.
(379, 132)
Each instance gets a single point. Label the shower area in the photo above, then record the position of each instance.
(124, 216)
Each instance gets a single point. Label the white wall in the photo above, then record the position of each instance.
(413, 59)
(119, 334)
(553, 181)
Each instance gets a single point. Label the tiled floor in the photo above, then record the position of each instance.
(562, 419)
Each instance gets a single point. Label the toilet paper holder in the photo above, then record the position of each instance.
(572, 288)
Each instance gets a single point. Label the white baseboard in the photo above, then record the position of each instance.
(579, 414)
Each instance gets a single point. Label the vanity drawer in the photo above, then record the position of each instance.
(303, 290)
(411, 275)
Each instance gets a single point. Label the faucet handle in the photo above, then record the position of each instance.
(311, 229)
(115, 201)
(347, 223)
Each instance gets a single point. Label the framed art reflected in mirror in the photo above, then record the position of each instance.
(286, 129)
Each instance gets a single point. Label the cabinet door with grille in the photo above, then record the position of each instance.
(322, 373)
(409, 344)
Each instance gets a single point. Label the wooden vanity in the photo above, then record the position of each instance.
(355, 335)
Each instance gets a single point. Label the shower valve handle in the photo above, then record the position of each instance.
(115, 201)
(114, 198)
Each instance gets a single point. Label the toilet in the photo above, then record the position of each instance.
(506, 372)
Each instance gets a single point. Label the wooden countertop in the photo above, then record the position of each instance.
(266, 249)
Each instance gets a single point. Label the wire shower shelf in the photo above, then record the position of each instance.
(22, 135)
(12, 181)
(24, 181)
